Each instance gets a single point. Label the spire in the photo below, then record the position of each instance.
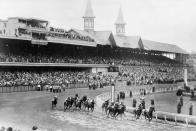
(89, 10)
(120, 18)
(89, 18)
(120, 24)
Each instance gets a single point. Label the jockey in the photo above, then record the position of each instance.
(55, 98)
(140, 106)
(107, 101)
(151, 108)
(142, 101)
(111, 104)
(68, 99)
(76, 97)
(121, 103)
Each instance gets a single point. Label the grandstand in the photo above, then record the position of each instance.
(32, 45)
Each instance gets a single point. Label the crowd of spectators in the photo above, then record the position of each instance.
(137, 69)
(52, 78)
(133, 75)
(133, 60)
(143, 75)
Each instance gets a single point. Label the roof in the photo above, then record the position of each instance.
(36, 19)
(103, 37)
(164, 47)
(85, 33)
(128, 41)
(89, 11)
(41, 20)
(100, 37)
(120, 18)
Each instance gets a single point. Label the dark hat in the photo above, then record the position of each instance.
(9, 129)
(34, 128)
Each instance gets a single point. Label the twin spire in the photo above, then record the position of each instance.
(120, 18)
(89, 20)
(120, 24)
(89, 11)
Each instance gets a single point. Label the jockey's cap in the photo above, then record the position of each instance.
(34, 128)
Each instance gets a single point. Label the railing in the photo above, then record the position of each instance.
(21, 88)
(25, 88)
(37, 29)
(27, 64)
(76, 85)
(39, 42)
(161, 115)
(170, 117)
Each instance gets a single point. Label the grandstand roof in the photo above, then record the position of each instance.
(36, 19)
(100, 37)
(105, 37)
(164, 47)
(85, 33)
(128, 41)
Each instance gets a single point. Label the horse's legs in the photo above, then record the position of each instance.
(150, 118)
(106, 111)
(115, 115)
(145, 115)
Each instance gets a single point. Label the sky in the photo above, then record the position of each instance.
(168, 21)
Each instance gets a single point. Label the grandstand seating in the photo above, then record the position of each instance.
(135, 67)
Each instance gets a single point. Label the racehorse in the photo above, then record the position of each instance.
(115, 109)
(105, 106)
(149, 114)
(75, 103)
(69, 103)
(54, 102)
(78, 104)
(137, 112)
(89, 104)
(120, 110)
(110, 109)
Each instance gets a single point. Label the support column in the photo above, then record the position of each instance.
(113, 91)
(185, 76)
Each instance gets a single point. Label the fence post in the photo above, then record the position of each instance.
(175, 120)
(187, 121)
(156, 116)
(165, 119)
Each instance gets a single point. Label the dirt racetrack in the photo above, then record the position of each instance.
(26, 109)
